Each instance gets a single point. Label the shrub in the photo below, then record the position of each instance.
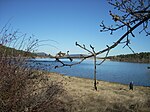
(22, 88)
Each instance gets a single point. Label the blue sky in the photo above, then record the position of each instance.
(67, 21)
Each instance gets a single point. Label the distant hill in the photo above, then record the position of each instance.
(7, 51)
(41, 54)
(75, 55)
(143, 57)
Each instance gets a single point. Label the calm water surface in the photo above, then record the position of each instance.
(121, 72)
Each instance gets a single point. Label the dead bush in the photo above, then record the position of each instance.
(21, 88)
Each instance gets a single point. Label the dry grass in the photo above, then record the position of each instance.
(110, 97)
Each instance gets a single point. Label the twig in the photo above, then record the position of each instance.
(104, 57)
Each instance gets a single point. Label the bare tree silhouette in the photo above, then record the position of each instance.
(131, 15)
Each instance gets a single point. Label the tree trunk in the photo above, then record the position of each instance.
(95, 87)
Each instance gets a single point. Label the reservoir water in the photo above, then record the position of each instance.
(121, 72)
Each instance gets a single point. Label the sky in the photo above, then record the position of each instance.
(63, 22)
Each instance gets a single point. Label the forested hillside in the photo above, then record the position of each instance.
(7, 51)
(143, 57)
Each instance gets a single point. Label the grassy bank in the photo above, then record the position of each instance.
(110, 97)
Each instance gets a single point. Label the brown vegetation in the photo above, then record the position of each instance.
(110, 97)
(21, 88)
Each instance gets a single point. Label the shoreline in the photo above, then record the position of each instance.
(130, 62)
(99, 80)
(80, 93)
(97, 60)
(117, 83)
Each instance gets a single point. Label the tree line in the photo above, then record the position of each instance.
(4, 50)
(143, 57)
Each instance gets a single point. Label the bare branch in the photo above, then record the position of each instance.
(83, 47)
(108, 48)
(104, 57)
(65, 64)
(122, 37)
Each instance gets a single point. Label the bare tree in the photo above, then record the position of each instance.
(131, 15)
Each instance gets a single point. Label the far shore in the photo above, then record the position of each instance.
(110, 97)
(98, 58)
